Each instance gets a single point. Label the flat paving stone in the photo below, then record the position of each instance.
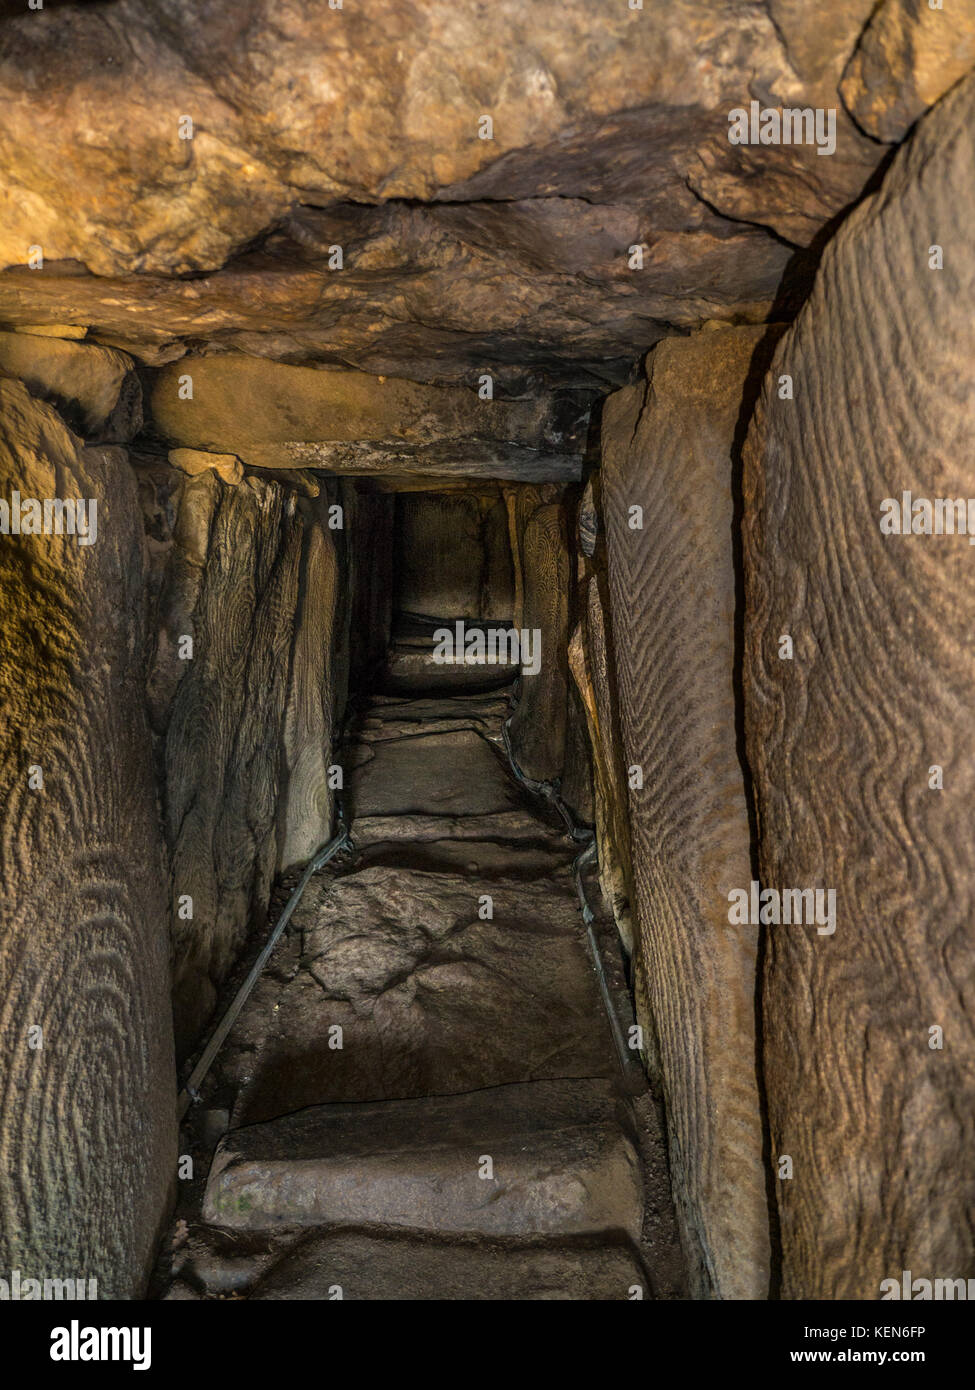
(432, 774)
(544, 1158)
(395, 718)
(407, 1267)
(430, 997)
(504, 825)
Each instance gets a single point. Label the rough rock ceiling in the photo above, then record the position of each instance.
(358, 127)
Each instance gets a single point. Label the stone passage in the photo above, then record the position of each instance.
(538, 437)
(422, 1097)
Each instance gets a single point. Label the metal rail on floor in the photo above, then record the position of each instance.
(191, 1091)
(589, 854)
(549, 792)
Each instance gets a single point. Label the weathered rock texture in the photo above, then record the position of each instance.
(316, 129)
(563, 1164)
(540, 532)
(245, 722)
(405, 1265)
(879, 1125)
(314, 698)
(95, 389)
(87, 1123)
(439, 773)
(668, 449)
(907, 57)
(194, 461)
(343, 225)
(430, 997)
(453, 556)
(273, 415)
(594, 674)
(394, 1267)
(397, 117)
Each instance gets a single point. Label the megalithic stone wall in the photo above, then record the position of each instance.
(869, 1031)
(312, 707)
(540, 553)
(667, 452)
(223, 767)
(591, 664)
(253, 576)
(87, 1077)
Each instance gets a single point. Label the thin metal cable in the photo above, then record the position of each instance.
(191, 1091)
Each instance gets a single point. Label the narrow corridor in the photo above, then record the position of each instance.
(423, 1096)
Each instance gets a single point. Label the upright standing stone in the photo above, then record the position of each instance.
(225, 736)
(667, 488)
(87, 1104)
(306, 812)
(873, 1105)
(590, 663)
(538, 725)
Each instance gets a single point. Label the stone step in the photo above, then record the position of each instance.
(545, 1158)
(410, 664)
(380, 730)
(430, 997)
(397, 1265)
(424, 708)
(355, 1265)
(410, 667)
(398, 718)
(515, 826)
(478, 859)
(432, 774)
